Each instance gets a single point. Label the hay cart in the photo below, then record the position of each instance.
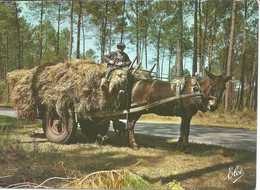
(62, 130)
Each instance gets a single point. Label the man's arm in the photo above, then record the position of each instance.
(109, 58)
(127, 61)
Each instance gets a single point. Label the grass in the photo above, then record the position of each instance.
(6, 105)
(26, 156)
(242, 120)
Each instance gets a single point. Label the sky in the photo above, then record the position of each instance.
(90, 42)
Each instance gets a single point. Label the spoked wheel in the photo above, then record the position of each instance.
(59, 130)
(91, 129)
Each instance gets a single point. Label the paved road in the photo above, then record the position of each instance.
(237, 138)
(8, 112)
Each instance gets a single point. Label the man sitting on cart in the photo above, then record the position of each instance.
(116, 60)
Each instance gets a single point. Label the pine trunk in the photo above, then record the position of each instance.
(18, 35)
(194, 67)
(180, 44)
(146, 58)
(78, 38)
(71, 29)
(137, 33)
(228, 100)
(158, 52)
(242, 77)
(110, 37)
(7, 68)
(83, 35)
(123, 24)
(104, 27)
(41, 33)
(204, 41)
(200, 39)
(255, 89)
(212, 43)
(170, 60)
(58, 33)
(162, 64)
(252, 81)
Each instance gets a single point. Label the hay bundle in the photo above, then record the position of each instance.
(113, 179)
(21, 94)
(72, 85)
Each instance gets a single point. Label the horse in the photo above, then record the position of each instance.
(150, 91)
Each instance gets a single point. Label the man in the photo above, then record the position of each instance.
(116, 60)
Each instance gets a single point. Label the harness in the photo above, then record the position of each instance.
(178, 85)
(211, 96)
(195, 88)
(150, 90)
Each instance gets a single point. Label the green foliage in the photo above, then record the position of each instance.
(133, 181)
(64, 44)
(91, 54)
(175, 185)
(3, 91)
(186, 73)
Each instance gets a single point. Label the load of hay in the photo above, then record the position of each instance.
(63, 86)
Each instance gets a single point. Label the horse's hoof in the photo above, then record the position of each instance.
(185, 149)
(135, 148)
(179, 146)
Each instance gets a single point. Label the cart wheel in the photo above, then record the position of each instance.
(92, 128)
(59, 130)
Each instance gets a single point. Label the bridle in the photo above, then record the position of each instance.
(197, 89)
(209, 96)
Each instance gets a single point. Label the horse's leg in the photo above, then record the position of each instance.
(131, 126)
(184, 133)
(180, 141)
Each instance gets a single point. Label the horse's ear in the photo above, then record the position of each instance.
(229, 77)
(210, 75)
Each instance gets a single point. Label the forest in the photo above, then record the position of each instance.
(220, 36)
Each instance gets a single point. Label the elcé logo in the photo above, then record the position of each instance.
(237, 172)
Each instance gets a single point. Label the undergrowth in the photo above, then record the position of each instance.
(246, 119)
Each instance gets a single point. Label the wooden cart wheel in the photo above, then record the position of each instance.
(59, 130)
(92, 128)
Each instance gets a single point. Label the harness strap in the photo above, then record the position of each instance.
(150, 90)
(196, 88)
(135, 87)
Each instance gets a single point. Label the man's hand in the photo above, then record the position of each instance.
(112, 62)
(120, 63)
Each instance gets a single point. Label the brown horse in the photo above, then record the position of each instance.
(153, 90)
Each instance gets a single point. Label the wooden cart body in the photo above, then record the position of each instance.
(62, 130)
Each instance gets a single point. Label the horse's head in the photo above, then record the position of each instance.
(212, 89)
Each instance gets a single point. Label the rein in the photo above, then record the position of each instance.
(212, 97)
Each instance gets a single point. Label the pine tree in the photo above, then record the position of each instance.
(228, 100)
